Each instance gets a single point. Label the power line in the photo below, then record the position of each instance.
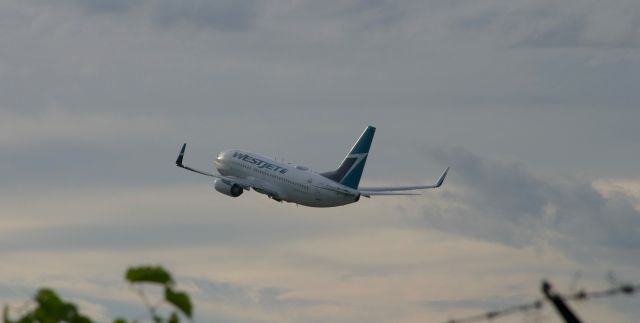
(582, 295)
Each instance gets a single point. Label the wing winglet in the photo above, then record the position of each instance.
(442, 177)
(179, 164)
(181, 155)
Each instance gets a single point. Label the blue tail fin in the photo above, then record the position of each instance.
(351, 168)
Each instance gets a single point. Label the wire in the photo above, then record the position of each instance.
(624, 289)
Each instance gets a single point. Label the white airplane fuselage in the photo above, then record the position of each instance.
(284, 181)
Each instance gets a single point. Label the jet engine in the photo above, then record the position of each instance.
(232, 190)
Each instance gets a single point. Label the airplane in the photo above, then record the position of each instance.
(241, 170)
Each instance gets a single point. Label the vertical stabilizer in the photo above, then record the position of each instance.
(350, 170)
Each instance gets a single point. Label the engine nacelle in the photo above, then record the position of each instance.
(232, 190)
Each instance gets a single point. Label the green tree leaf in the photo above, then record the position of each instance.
(149, 274)
(178, 299)
(174, 318)
(52, 307)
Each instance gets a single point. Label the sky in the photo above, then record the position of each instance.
(533, 104)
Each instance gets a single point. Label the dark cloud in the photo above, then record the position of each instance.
(503, 202)
(568, 32)
(575, 32)
(557, 25)
(107, 6)
(223, 15)
(376, 13)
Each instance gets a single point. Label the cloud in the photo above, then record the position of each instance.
(503, 202)
(57, 126)
(98, 96)
(106, 6)
(275, 298)
(150, 217)
(569, 24)
(220, 15)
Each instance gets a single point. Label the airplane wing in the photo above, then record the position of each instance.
(242, 182)
(366, 191)
(371, 193)
(246, 183)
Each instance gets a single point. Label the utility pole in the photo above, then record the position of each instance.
(557, 301)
